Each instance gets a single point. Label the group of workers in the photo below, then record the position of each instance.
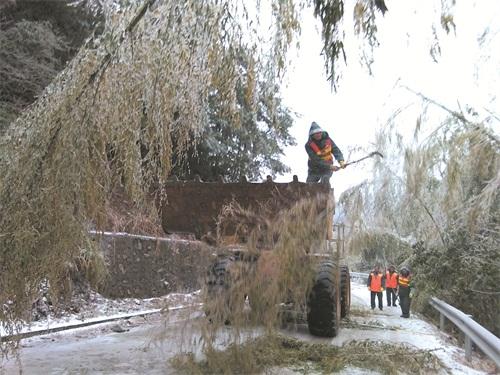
(396, 285)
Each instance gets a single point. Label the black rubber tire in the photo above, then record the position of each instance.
(321, 304)
(217, 284)
(345, 291)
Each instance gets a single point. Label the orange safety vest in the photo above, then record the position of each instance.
(404, 281)
(324, 153)
(376, 282)
(391, 279)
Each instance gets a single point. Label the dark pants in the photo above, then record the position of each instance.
(372, 299)
(323, 178)
(391, 296)
(404, 301)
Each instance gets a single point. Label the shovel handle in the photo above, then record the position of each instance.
(357, 161)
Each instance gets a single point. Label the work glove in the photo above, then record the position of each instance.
(342, 164)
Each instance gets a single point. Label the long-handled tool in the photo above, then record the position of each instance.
(370, 155)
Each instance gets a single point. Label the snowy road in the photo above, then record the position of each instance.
(100, 350)
(147, 343)
(413, 331)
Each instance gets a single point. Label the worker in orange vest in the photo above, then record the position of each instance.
(376, 285)
(404, 289)
(391, 283)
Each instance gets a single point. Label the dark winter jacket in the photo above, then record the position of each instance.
(321, 154)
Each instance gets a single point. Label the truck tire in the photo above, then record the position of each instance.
(345, 291)
(322, 304)
(217, 289)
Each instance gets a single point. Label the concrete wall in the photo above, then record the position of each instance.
(142, 267)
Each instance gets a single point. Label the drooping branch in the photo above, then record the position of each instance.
(459, 115)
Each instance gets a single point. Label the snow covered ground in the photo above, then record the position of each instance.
(96, 308)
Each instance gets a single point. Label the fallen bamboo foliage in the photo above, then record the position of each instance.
(276, 352)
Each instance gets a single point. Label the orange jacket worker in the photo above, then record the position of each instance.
(376, 285)
(391, 283)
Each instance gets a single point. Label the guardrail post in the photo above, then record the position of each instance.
(468, 348)
(468, 344)
(442, 319)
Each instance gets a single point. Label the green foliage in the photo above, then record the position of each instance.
(331, 14)
(247, 144)
(465, 274)
(379, 248)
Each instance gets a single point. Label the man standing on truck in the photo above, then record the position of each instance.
(321, 150)
(391, 283)
(376, 285)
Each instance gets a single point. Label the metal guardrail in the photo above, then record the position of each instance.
(473, 331)
(359, 275)
(90, 322)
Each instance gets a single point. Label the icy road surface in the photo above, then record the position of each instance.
(388, 326)
(146, 344)
(144, 347)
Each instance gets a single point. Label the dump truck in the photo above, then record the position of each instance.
(196, 208)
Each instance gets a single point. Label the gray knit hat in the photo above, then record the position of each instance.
(315, 128)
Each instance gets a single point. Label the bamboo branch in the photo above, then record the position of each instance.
(107, 58)
(455, 114)
(424, 206)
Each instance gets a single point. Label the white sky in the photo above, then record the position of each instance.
(362, 103)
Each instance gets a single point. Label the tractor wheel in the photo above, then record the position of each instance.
(217, 290)
(322, 306)
(345, 291)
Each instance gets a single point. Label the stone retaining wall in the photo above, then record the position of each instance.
(143, 267)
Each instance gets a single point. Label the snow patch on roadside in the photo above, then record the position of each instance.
(98, 308)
